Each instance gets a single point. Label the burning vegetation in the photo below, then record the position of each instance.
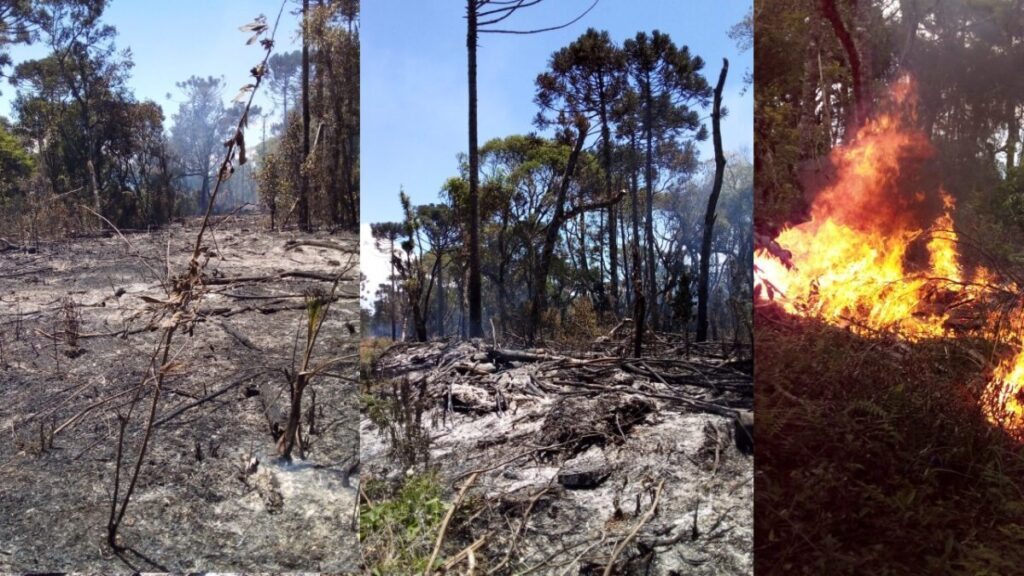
(880, 253)
(888, 308)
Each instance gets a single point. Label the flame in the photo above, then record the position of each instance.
(859, 260)
(1005, 393)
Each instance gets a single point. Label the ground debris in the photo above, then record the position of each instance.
(565, 451)
(75, 341)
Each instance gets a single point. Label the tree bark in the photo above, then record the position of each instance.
(652, 289)
(709, 216)
(292, 433)
(639, 307)
(831, 13)
(475, 302)
(613, 247)
(304, 174)
(540, 277)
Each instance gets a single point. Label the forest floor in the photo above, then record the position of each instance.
(76, 338)
(874, 455)
(570, 461)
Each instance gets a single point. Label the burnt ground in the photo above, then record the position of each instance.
(76, 335)
(571, 450)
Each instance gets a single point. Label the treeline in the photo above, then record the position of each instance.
(598, 220)
(824, 65)
(310, 171)
(80, 143)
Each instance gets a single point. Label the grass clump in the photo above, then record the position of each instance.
(398, 524)
(370, 350)
(873, 457)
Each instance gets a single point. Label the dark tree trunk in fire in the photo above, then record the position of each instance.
(831, 13)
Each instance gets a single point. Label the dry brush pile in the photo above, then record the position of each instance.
(534, 461)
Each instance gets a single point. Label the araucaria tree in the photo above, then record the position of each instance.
(597, 220)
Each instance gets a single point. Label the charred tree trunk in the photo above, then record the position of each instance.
(475, 302)
(652, 294)
(441, 303)
(394, 296)
(97, 204)
(639, 307)
(613, 247)
(709, 216)
(540, 277)
(304, 174)
(626, 271)
(831, 12)
(292, 436)
(419, 322)
(204, 192)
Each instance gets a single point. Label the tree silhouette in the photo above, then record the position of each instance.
(480, 14)
(709, 217)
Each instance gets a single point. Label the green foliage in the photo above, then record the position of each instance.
(370, 350)
(15, 163)
(1012, 190)
(398, 525)
(874, 458)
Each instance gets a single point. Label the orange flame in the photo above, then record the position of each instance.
(859, 260)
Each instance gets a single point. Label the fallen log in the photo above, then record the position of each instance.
(293, 244)
(6, 245)
(272, 277)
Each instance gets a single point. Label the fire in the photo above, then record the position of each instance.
(1006, 393)
(879, 252)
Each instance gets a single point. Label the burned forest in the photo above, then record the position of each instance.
(179, 323)
(556, 371)
(888, 287)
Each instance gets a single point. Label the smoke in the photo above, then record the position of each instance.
(886, 179)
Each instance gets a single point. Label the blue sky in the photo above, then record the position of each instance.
(414, 94)
(414, 80)
(171, 40)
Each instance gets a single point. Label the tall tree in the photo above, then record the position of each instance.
(73, 90)
(480, 14)
(668, 84)
(199, 125)
(588, 77)
(441, 235)
(709, 217)
(18, 25)
(304, 222)
(386, 235)
(285, 79)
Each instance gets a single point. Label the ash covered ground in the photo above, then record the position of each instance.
(583, 460)
(77, 332)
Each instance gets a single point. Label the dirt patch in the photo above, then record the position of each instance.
(77, 331)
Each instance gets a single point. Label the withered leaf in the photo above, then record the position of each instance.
(242, 92)
(257, 27)
(260, 23)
